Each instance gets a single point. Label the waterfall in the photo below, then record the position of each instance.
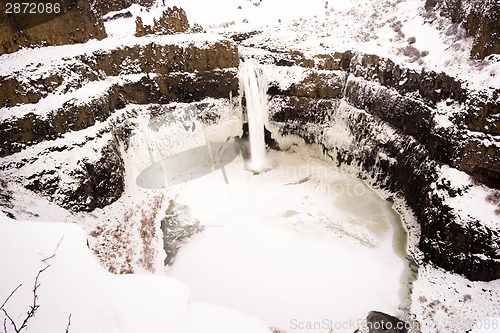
(254, 85)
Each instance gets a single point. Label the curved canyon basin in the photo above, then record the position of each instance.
(300, 245)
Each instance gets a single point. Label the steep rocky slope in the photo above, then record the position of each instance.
(83, 108)
(401, 130)
(76, 22)
(481, 19)
(106, 6)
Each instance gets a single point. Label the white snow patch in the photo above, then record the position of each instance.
(475, 201)
(447, 302)
(91, 91)
(284, 77)
(74, 284)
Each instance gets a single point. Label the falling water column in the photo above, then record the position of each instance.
(254, 85)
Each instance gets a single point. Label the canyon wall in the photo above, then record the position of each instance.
(106, 6)
(385, 124)
(77, 22)
(396, 128)
(84, 130)
(480, 18)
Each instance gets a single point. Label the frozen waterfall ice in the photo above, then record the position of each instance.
(253, 84)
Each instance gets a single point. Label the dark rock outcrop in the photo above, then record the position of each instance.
(481, 19)
(180, 72)
(379, 322)
(94, 183)
(135, 59)
(173, 20)
(163, 58)
(72, 115)
(407, 100)
(106, 6)
(178, 225)
(392, 139)
(76, 22)
(22, 132)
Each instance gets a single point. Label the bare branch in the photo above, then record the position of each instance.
(69, 323)
(32, 310)
(52, 256)
(12, 293)
(12, 322)
(55, 250)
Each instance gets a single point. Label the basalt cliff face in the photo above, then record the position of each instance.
(77, 21)
(383, 123)
(106, 6)
(91, 113)
(480, 18)
(398, 129)
(168, 67)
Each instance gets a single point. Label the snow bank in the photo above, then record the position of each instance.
(75, 284)
(447, 302)
(472, 200)
(35, 63)
(400, 30)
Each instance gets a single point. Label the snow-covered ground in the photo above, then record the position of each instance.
(445, 302)
(74, 284)
(301, 242)
(288, 230)
(306, 209)
(400, 30)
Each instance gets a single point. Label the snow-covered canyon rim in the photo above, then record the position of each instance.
(386, 92)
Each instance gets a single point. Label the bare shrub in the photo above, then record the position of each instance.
(115, 240)
(396, 26)
(196, 28)
(32, 309)
(276, 330)
(113, 245)
(413, 53)
(148, 232)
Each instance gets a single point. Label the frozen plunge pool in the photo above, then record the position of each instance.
(297, 244)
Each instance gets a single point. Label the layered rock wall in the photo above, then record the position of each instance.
(106, 6)
(152, 57)
(480, 18)
(178, 73)
(77, 22)
(384, 123)
(81, 132)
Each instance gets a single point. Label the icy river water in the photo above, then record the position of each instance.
(300, 244)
